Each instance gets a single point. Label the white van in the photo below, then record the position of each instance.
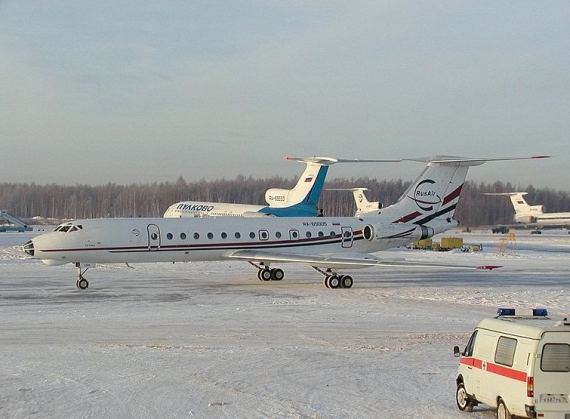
(518, 362)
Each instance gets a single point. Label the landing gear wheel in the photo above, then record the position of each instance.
(326, 281)
(334, 282)
(346, 281)
(265, 274)
(502, 411)
(82, 283)
(462, 399)
(277, 274)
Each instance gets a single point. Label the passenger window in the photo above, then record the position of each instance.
(321, 234)
(505, 353)
(252, 235)
(183, 236)
(169, 236)
(210, 236)
(555, 357)
(308, 234)
(196, 236)
(237, 235)
(224, 236)
(470, 345)
(278, 235)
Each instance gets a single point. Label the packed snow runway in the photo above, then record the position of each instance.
(209, 340)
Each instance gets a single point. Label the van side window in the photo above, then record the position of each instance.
(555, 357)
(505, 352)
(470, 345)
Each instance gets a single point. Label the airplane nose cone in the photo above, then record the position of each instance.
(29, 248)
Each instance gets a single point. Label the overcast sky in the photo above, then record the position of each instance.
(137, 92)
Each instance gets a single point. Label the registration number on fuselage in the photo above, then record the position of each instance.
(315, 223)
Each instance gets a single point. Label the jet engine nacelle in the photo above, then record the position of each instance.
(380, 232)
(525, 219)
(276, 197)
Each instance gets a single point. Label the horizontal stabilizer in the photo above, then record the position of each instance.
(327, 161)
(469, 161)
(505, 193)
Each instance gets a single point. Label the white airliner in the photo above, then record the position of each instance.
(534, 214)
(326, 244)
(301, 201)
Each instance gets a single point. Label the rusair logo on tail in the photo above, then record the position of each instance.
(424, 195)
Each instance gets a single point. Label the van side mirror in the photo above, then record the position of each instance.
(456, 351)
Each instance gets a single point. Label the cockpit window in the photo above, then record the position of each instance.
(68, 227)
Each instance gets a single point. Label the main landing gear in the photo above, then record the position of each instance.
(81, 282)
(333, 280)
(264, 273)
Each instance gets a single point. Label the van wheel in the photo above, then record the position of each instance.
(462, 399)
(502, 411)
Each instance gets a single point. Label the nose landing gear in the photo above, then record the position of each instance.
(81, 282)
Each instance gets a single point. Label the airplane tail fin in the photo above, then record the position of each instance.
(303, 199)
(363, 205)
(306, 192)
(524, 213)
(432, 198)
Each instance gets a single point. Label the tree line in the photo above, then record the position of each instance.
(62, 202)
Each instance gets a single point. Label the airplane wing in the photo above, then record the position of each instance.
(338, 261)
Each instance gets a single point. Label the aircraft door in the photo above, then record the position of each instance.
(153, 237)
(347, 237)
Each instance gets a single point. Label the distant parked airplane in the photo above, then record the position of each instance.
(301, 201)
(363, 205)
(534, 214)
(327, 244)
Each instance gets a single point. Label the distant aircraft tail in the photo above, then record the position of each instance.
(363, 205)
(306, 193)
(303, 199)
(524, 213)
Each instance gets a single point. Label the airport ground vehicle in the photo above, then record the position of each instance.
(518, 363)
(500, 230)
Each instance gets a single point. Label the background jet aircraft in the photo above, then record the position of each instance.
(326, 244)
(301, 201)
(534, 215)
(363, 205)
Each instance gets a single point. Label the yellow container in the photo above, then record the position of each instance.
(452, 242)
(423, 244)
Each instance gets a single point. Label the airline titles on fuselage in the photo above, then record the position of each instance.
(195, 207)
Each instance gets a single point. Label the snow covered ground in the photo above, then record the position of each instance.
(207, 340)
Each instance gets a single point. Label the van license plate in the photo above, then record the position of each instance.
(553, 398)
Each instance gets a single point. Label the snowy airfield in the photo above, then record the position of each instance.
(209, 340)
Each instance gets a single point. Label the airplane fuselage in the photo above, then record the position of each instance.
(132, 240)
(553, 219)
